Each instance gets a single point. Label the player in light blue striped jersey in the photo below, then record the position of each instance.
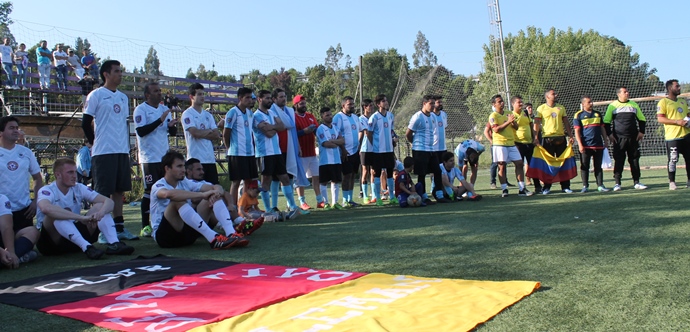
(349, 127)
(237, 137)
(381, 135)
(331, 147)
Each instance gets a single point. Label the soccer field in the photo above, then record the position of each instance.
(612, 261)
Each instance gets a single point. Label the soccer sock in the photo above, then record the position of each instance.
(335, 190)
(107, 227)
(223, 217)
(469, 194)
(22, 245)
(119, 224)
(238, 221)
(347, 196)
(324, 192)
(377, 189)
(289, 196)
(303, 200)
(145, 209)
(365, 190)
(391, 187)
(275, 186)
(194, 220)
(504, 186)
(319, 198)
(439, 194)
(69, 231)
(449, 191)
(521, 185)
(266, 197)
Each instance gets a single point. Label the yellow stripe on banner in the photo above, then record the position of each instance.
(384, 302)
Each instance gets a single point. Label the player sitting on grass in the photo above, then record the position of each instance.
(248, 207)
(174, 220)
(63, 228)
(448, 175)
(404, 186)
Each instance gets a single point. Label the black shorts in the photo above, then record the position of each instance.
(330, 173)
(19, 221)
(351, 165)
(47, 247)
(273, 165)
(383, 161)
(425, 162)
(242, 168)
(167, 237)
(274, 177)
(111, 173)
(366, 158)
(152, 173)
(210, 173)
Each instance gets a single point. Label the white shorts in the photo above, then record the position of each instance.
(505, 153)
(311, 166)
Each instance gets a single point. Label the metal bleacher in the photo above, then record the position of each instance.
(51, 119)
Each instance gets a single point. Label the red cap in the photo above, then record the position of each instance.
(253, 184)
(298, 99)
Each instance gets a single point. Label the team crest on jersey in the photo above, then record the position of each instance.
(159, 185)
(137, 118)
(354, 127)
(116, 108)
(440, 124)
(322, 136)
(332, 136)
(246, 123)
(45, 192)
(202, 126)
(553, 115)
(680, 110)
(385, 125)
(12, 165)
(8, 205)
(492, 120)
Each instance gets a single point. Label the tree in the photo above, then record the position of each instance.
(5, 21)
(575, 63)
(333, 56)
(422, 53)
(82, 44)
(380, 72)
(152, 63)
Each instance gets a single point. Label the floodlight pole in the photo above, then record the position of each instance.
(503, 53)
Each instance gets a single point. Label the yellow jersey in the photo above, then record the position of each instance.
(673, 110)
(504, 137)
(551, 120)
(524, 132)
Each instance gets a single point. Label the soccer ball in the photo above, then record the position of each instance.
(414, 200)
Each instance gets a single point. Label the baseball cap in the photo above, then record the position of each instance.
(253, 184)
(298, 99)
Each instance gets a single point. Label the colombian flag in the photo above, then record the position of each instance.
(552, 169)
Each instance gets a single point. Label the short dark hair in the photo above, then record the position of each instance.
(514, 98)
(585, 96)
(548, 90)
(107, 67)
(170, 157)
(427, 98)
(194, 87)
(264, 93)
(276, 92)
(472, 157)
(191, 161)
(346, 98)
(408, 162)
(379, 98)
(5, 120)
(669, 83)
(438, 97)
(366, 102)
(495, 97)
(324, 110)
(147, 91)
(528, 105)
(447, 156)
(242, 92)
(618, 89)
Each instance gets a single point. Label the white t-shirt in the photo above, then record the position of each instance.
(110, 111)
(22, 54)
(153, 146)
(74, 61)
(59, 54)
(6, 53)
(71, 201)
(5, 205)
(158, 205)
(15, 167)
(199, 148)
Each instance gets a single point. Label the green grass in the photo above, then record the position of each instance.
(606, 261)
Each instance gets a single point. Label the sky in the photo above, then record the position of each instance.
(238, 36)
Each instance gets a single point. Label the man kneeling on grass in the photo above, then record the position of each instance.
(174, 220)
(63, 228)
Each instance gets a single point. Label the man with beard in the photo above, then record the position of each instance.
(552, 122)
(153, 123)
(349, 127)
(237, 137)
(672, 112)
(306, 126)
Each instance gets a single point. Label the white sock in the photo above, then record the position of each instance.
(223, 217)
(521, 185)
(107, 227)
(194, 220)
(335, 190)
(324, 193)
(69, 231)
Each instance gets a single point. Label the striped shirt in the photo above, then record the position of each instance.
(264, 145)
(381, 127)
(366, 145)
(440, 130)
(240, 125)
(423, 127)
(327, 156)
(349, 128)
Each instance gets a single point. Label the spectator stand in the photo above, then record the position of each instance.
(51, 119)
